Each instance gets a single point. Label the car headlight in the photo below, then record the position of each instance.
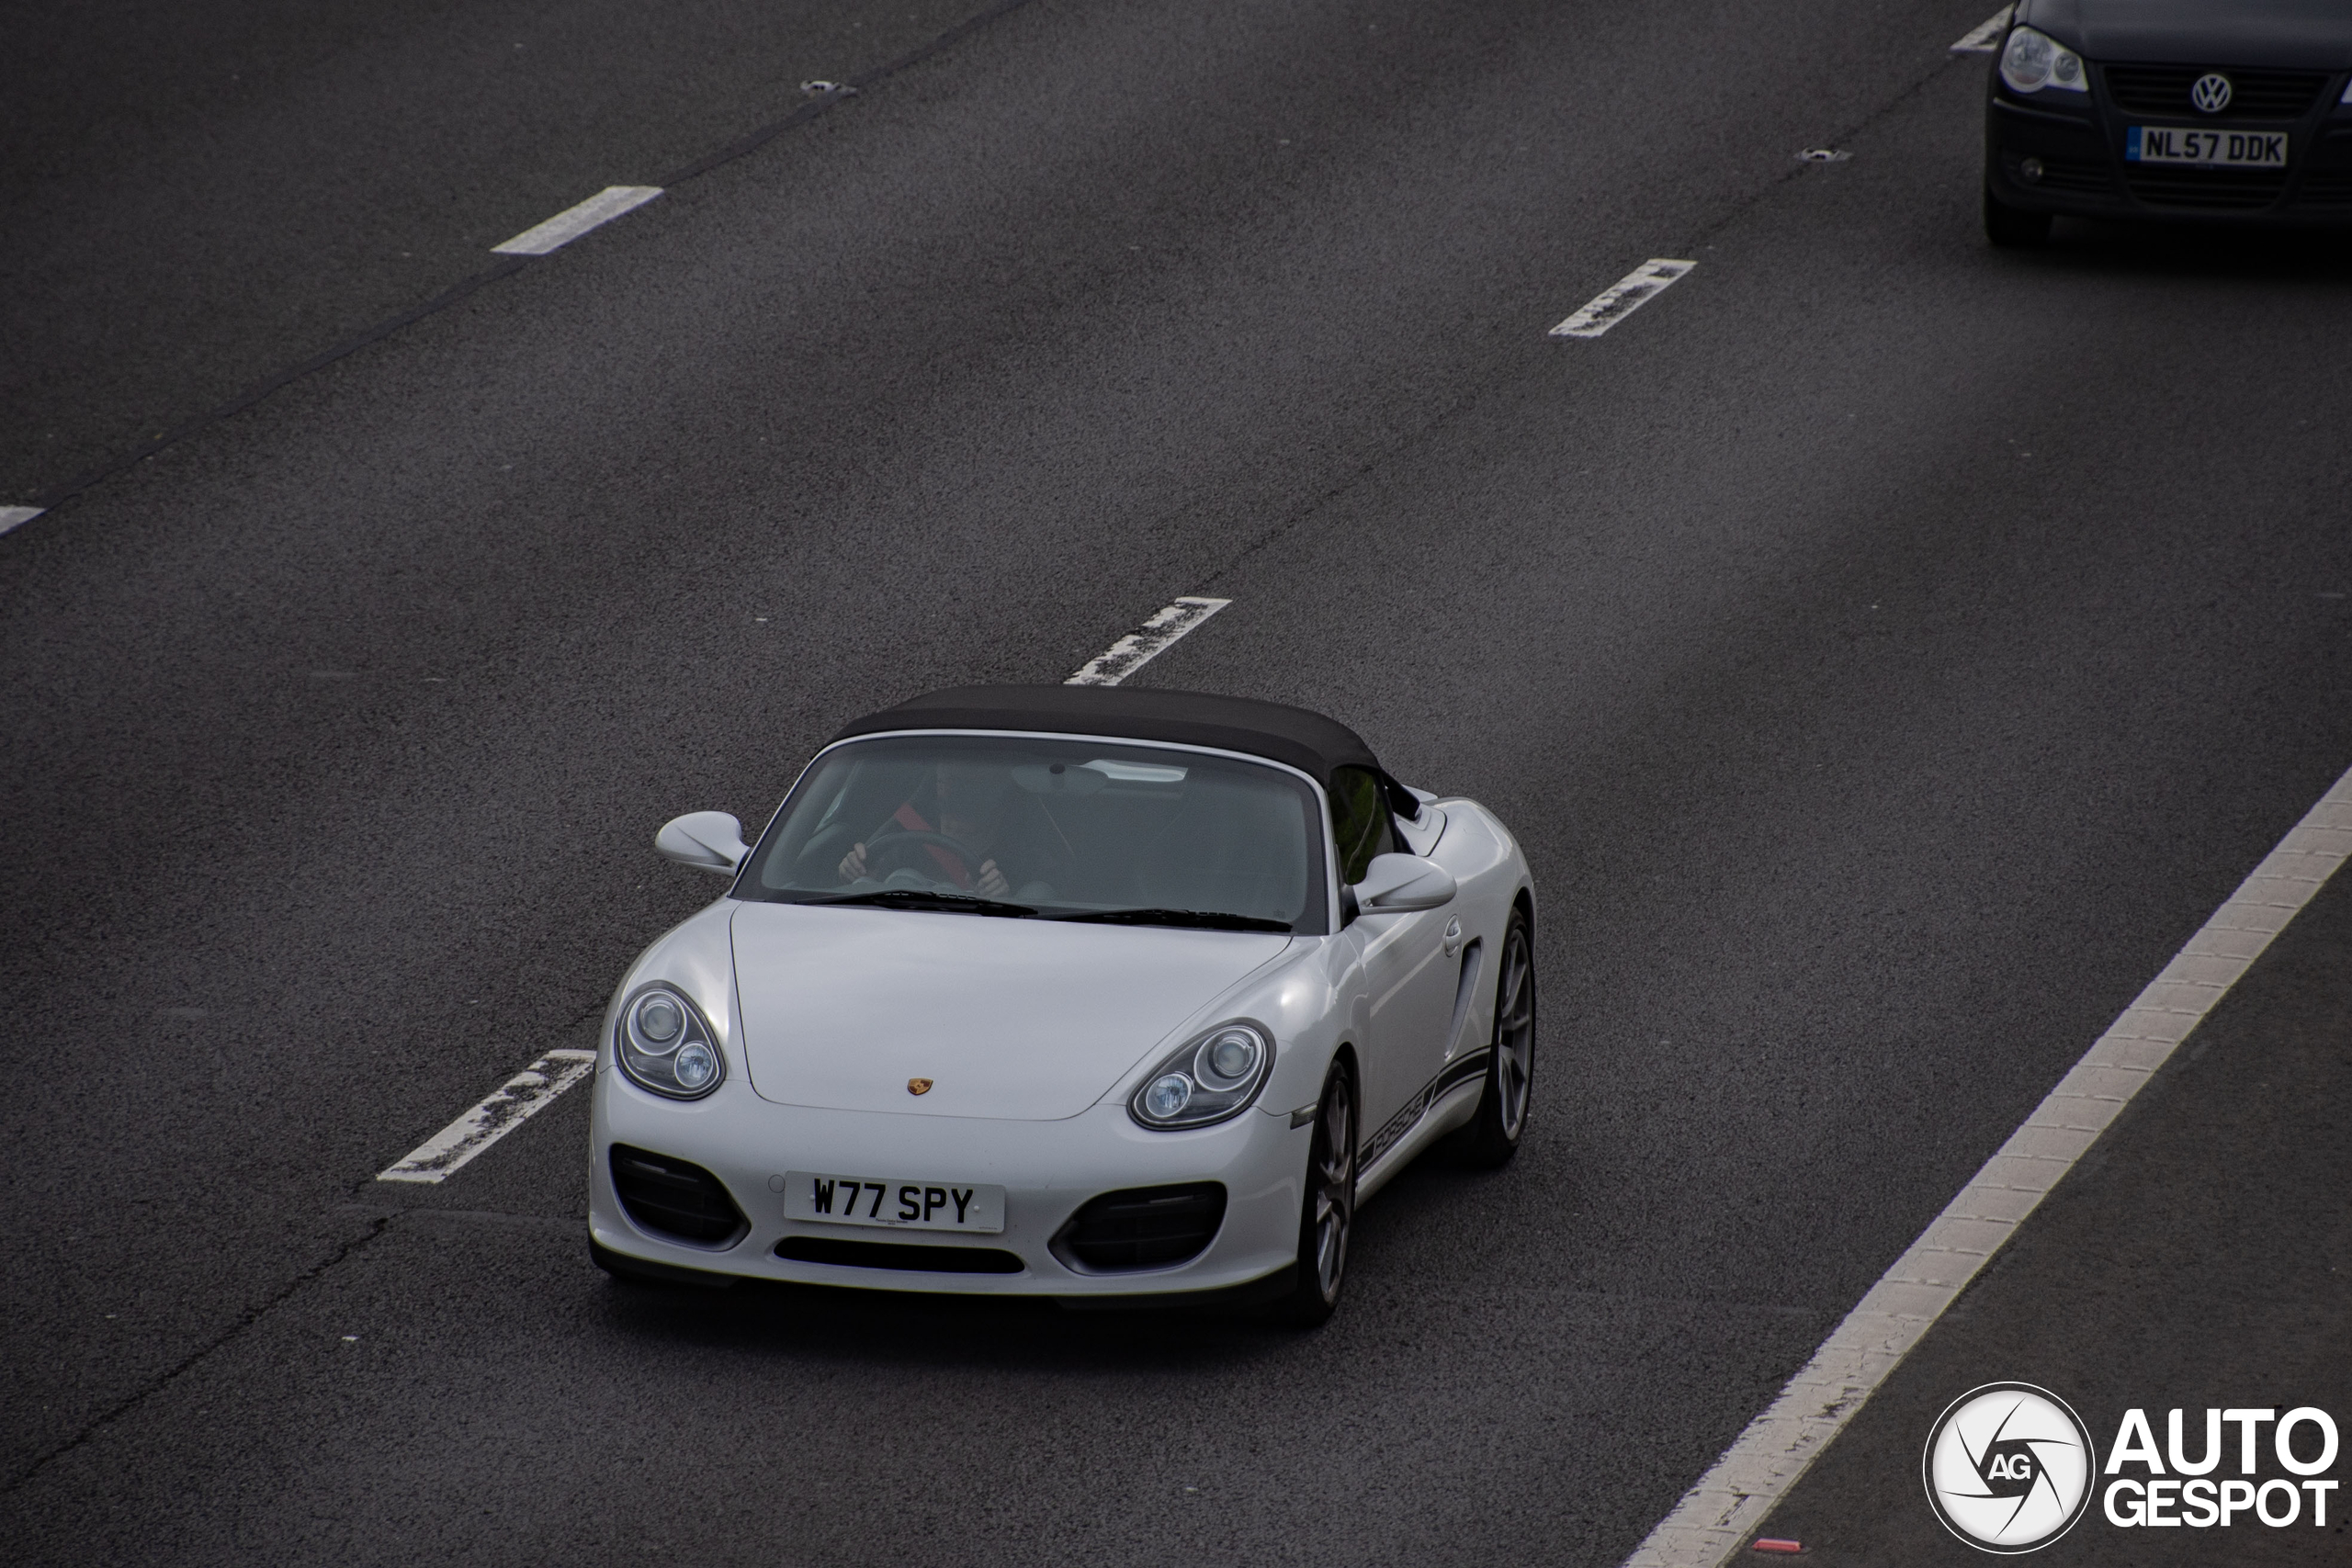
(2032, 61)
(663, 1044)
(1208, 1078)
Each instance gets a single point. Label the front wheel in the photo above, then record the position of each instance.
(1329, 1212)
(1491, 1135)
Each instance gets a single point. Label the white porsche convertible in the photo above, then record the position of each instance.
(1107, 995)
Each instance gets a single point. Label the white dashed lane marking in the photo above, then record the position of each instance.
(1986, 37)
(18, 516)
(572, 222)
(1147, 642)
(513, 1102)
(1622, 298)
(1712, 1522)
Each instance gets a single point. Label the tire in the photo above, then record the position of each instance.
(1326, 1216)
(2013, 227)
(1491, 1135)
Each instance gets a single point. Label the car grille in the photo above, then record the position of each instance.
(916, 1259)
(674, 1198)
(2215, 190)
(2254, 95)
(1144, 1227)
(2326, 188)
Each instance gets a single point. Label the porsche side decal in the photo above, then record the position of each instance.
(1461, 1070)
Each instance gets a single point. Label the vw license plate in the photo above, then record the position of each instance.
(2224, 149)
(913, 1205)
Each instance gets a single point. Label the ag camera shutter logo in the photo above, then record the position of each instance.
(2008, 1467)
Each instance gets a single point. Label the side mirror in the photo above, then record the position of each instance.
(708, 841)
(1396, 884)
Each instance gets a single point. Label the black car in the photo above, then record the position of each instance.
(2215, 110)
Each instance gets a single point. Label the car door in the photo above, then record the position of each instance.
(1408, 974)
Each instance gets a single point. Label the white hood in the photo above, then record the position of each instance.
(1026, 1019)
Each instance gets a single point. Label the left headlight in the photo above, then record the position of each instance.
(1209, 1078)
(2032, 61)
(663, 1043)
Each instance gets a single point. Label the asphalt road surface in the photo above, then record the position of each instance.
(1889, 651)
(2202, 1260)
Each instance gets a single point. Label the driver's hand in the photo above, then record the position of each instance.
(992, 882)
(853, 865)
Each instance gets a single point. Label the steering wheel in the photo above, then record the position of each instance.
(912, 838)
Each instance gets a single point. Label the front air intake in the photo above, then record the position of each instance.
(675, 1201)
(1144, 1227)
(844, 1253)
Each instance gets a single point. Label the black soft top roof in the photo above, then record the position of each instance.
(1307, 741)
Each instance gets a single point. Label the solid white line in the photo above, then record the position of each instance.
(1985, 37)
(1622, 298)
(520, 1098)
(1148, 641)
(1714, 1517)
(18, 516)
(572, 222)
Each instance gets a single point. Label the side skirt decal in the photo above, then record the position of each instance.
(1461, 1070)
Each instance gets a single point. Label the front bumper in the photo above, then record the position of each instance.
(2078, 148)
(1047, 1168)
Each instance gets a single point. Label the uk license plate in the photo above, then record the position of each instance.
(911, 1205)
(2215, 149)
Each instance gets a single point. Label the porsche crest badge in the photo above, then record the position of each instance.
(917, 1086)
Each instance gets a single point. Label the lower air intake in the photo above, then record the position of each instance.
(918, 1259)
(2217, 190)
(2078, 176)
(1144, 1227)
(2326, 188)
(672, 1198)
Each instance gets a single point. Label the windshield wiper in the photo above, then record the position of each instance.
(918, 898)
(1202, 919)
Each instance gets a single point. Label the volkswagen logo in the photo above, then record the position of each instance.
(2211, 93)
(2008, 1468)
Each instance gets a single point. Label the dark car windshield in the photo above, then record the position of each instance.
(1050, 829)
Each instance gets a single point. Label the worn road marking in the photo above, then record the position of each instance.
(1622, 298)
(1986, 37)
(1147, 642)
(520, 1098)
(18, 516)
(572, 222)
(1711, 1524)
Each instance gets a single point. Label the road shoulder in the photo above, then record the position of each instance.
(2201, 1256)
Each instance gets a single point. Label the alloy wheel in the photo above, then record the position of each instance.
(1334, 1177)
(1515, 1033)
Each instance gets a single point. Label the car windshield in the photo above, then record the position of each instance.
(1073, 829)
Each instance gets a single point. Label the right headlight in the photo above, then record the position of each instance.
(663, 1044)
(1209, 1078)
(2032, 61)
